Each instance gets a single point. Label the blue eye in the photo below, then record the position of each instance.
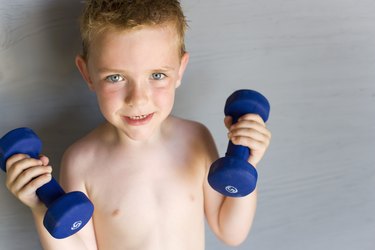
(114, 78)
(158, 76)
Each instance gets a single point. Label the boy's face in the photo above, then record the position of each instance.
(135, 74)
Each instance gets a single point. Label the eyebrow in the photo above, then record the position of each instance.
(164, 68)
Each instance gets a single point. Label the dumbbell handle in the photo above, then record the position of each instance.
(31, 145)
(237, 151)
(50, 192)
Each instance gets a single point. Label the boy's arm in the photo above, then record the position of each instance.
(231, 218)
(24, 176)
(72, 176)
(75, 241)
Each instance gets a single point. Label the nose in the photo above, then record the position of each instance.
(137, 95)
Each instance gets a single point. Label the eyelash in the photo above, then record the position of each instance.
(108, 78)
(162, 76)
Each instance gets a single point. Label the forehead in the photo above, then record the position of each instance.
(161, 40)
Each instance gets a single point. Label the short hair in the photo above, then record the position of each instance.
(101, 15)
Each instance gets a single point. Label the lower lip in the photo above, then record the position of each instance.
(138, 122)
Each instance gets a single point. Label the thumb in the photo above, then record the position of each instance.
(44, 159)
(228, 121)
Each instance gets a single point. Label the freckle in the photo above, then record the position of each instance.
(116, 212)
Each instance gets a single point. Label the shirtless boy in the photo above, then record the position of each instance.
(144, 170)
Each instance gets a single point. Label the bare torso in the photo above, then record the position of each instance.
(148, 197)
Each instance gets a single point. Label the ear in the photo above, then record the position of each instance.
(83, 69)
(183, 64)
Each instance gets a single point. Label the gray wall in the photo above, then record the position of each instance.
(313, 59)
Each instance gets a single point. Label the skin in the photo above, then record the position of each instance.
(144, 169)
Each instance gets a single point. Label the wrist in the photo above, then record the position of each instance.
(39, 210)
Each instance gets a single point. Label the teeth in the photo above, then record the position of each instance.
(138, 117)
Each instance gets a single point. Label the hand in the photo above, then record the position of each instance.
(25, 175)
(250, 131)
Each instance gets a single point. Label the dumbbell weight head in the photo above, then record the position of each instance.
(233, 175)
(11, 144)
(67, 213)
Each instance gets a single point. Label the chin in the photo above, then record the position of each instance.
(140, 135)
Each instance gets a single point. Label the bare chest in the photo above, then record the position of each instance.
(145, 199)
(127, 189)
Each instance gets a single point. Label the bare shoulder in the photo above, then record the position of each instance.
(197, 134)
(189, 128)
(78, 158)
(82, 149)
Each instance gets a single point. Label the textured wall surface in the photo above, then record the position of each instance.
(313, 59)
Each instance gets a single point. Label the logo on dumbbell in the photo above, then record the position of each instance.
(231, 189)
(76, 225)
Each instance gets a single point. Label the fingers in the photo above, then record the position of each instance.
(44, 159)
(26, 174)
(32, 177)
(29, 190)
(251, 131)
(254, 117)
(18, 163)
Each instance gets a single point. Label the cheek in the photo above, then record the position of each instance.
(165, 99)
(108, 102)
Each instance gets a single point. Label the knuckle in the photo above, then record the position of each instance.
(15, 192)
(24, 173)
(234, 139)
(41, 180)
(251, 116)
(9, 165)
(240, 140)
(34, 185)
(22, 195)
(8, 185)
(248, 115)
(18, 194)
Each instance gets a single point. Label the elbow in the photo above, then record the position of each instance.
(233, 235)
(233, 239)
(233, 242)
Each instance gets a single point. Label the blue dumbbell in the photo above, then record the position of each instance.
(233, 175)
(67, 212)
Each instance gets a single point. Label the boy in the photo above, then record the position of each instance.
(144, 169)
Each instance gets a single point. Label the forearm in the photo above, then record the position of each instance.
(236, 217)
(50, 243)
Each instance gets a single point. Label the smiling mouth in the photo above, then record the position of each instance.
(138, 119)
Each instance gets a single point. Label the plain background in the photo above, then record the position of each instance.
(313, 59)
